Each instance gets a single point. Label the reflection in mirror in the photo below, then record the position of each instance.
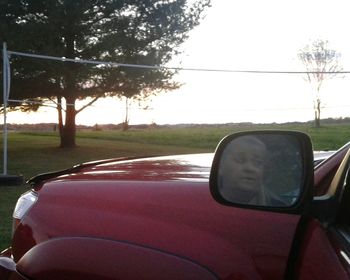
(262, 169)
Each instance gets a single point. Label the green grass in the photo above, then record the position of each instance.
(31, 153)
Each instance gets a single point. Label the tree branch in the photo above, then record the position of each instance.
(87, 105)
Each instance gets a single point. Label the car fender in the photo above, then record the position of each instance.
(95, 258)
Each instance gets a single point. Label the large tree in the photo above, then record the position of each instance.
(124, 31)
(321, 63)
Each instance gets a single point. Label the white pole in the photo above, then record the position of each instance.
(5, 57)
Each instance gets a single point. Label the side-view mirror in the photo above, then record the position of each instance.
(270, 170)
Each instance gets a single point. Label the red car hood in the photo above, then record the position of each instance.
(194, 167)
(163, 203)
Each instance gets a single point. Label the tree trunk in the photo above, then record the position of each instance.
(317, 121)
(318, 113)
(69, 129)
(60, 117)
(126, 121)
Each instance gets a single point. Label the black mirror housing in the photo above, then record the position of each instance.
(269, 170)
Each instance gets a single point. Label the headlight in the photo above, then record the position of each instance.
(24, 203)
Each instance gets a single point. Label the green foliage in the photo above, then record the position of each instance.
(139, 32)
(128, 31)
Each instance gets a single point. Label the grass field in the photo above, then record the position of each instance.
(31, 153)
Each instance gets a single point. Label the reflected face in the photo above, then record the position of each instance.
(243, 164)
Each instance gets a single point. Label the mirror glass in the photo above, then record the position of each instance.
(261, 169)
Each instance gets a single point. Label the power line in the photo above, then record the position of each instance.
(143, 66)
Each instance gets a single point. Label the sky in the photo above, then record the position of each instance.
(241, 35)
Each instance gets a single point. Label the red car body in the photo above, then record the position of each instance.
(154, 218)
